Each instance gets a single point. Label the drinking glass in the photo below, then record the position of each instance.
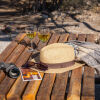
(30, 33)
(43, 34)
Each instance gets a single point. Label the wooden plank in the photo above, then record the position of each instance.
(2, 76)
(75, 85)
(14, 94)
(58, 92)
(25, 41)
(81, 37)
(75, 82)
(91, 37)
(7, 82)
(18, 88)
(88, 91)
(46, 87)
(20, 37)
(32, 88)
(72, 37)
(16, 53)
(48, 80)
(6, 53)
(23, 57)
(63, 38)
(54, 39)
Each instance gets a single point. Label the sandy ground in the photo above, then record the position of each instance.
(86, 23)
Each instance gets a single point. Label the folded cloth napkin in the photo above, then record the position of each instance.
(87, 52)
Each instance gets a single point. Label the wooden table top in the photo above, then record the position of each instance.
(72, 85)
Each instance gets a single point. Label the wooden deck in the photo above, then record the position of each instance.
(72, 85)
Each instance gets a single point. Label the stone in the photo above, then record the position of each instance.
(49, 19)
(54, 13)
(44, 16)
